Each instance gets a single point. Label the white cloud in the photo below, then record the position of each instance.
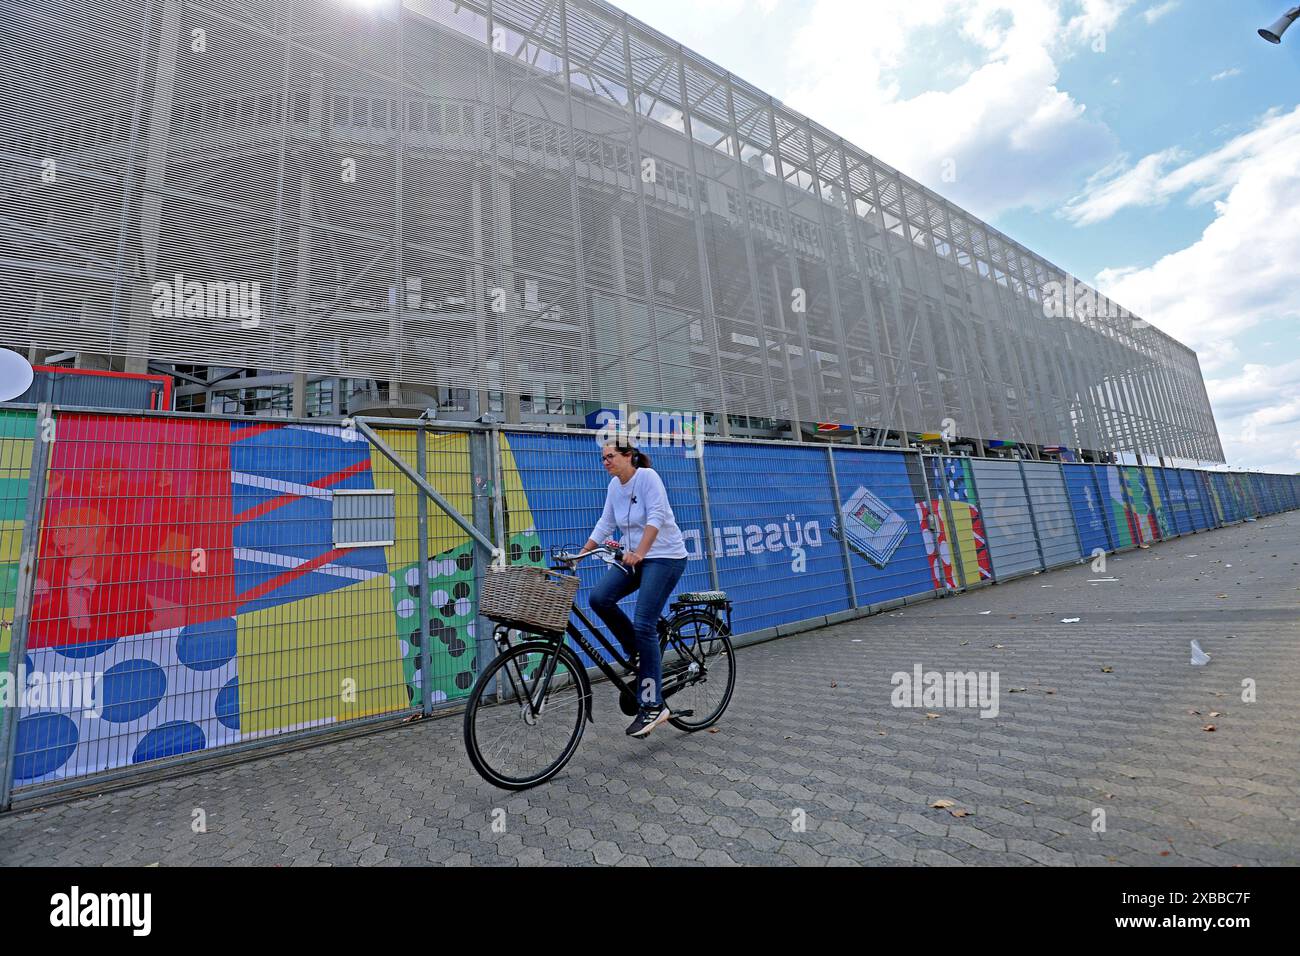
(1231, 71)
(1152, 14)
(1240, 273)
(1154, 179)
(1013, 137)
(1258, 413)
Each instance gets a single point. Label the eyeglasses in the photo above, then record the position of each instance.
(607, 457)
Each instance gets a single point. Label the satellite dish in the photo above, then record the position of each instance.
(15, 375)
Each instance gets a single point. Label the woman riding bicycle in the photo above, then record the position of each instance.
(636, 503)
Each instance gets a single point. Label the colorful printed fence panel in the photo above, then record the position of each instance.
(1053, 518)
(1013, 545)
(959, 555)
(17, 430)
(201, 570)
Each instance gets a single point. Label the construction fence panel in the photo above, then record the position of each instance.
(1091, 511)
(884, 519)
(1004, 503)
(773, 509)
(961, 542)
(1053, 517)
(555, 486)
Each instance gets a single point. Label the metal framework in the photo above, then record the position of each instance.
(536, 198)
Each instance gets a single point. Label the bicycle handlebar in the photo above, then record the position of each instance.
(571, 558)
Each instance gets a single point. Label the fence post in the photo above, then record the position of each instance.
(1033, 515)
(24, 592)
(714, 581)
(844, 538)
(485, 482)
(422, 507)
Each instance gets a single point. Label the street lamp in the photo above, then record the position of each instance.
(1273, 34)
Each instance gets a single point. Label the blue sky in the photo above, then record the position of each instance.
(1151, 147)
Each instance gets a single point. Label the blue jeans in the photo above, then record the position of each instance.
(655, 578)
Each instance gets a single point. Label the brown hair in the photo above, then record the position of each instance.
(639, 458)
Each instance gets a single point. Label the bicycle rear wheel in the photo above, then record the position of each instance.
(514, 745)
(699, 669)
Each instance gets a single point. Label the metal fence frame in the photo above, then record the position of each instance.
(485, 528)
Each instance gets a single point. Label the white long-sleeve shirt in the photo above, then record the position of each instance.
(631, 507)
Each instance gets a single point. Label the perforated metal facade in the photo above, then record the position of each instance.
(523, 198)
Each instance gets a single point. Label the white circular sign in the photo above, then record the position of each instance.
(15, 375)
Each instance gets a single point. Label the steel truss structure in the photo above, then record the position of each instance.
(539, 198)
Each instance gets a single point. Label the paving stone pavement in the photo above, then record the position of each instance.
(1105, 714)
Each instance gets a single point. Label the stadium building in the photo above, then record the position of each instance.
(529, 209)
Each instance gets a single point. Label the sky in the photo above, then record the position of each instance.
(1149, 147)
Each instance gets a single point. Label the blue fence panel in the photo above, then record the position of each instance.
(1090, 511)
(888, 547)
(564, 486)
(1160, 502)
(1197, 512)
(1227, 497)
(1004, 505)
(1179, 509)
(773, 510)
(1053, 517)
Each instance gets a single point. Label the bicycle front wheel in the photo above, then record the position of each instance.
(524, 733)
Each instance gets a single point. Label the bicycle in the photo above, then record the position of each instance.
(541, 687)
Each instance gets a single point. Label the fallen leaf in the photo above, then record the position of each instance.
(964, 643)
(833, 684)
(943, 804)
(930, 716)
(1210, 728)
(999, 647)
(961, 813)
(1215, 713)
(1221, 595)
(713, 730)
(1050, 690)
(1194, 713)
(1164, 852)
(1107, 670)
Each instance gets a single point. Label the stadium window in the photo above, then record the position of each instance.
(415, 115)
(434, 115)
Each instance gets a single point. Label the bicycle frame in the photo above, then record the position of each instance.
(535, 699)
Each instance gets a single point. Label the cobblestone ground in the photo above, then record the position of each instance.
(1104, 714)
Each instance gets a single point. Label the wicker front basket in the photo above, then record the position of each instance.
(528, 598)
